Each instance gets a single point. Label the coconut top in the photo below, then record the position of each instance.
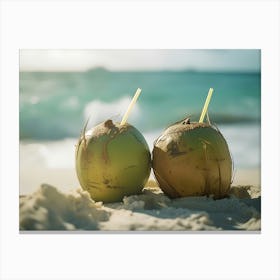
(106, 128)
(184, 125)
(109, 130)
(179, 128)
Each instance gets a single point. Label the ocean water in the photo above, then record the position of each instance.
(55, 106)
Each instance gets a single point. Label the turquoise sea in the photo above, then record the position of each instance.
(55, 106)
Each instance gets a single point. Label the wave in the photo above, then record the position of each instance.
(56, 105)
(52, 120)
(98, 111)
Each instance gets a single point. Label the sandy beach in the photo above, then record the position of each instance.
(54, 201)
(56, 106)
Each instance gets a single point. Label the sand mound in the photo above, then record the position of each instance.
(50, 209)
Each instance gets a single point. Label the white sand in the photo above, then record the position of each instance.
(51, 209)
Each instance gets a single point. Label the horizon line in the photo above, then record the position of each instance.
(104, 69)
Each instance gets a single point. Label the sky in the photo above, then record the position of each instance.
(133, 60)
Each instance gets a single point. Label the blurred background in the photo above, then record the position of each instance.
(60, 89)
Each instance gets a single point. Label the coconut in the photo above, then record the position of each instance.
(112, 161)
(192, 159)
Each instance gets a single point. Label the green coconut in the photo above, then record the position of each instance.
(112, 161)
(192, 159)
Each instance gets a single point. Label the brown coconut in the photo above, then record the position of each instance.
(192, 159)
